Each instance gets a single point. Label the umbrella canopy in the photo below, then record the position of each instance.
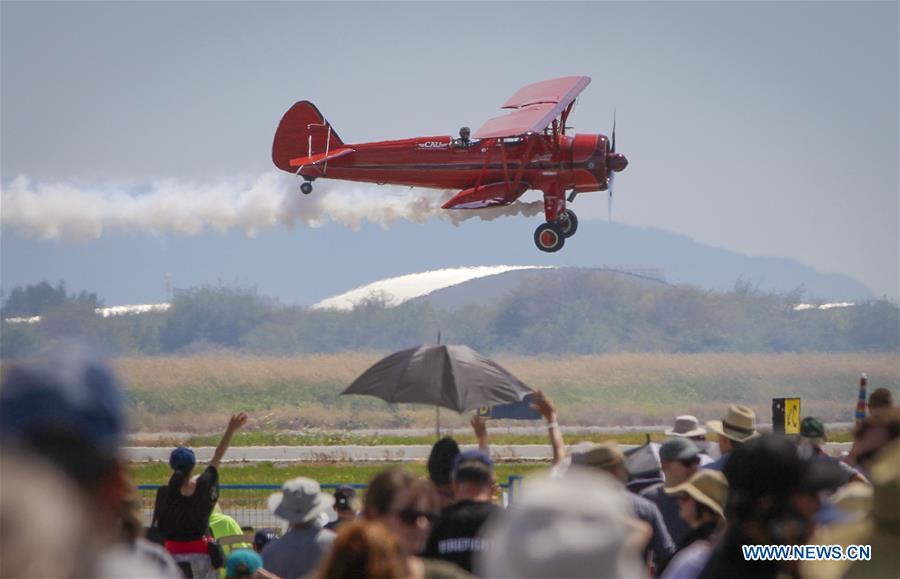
(454, 377)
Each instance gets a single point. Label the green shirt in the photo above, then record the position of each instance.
(222, 525)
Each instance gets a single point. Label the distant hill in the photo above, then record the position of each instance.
(397, 290)
(558, 311)
(305, 266)
(615, 246)
(489, 289)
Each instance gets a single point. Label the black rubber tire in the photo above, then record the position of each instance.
(306, 188)
(549, 238)
(569, 224)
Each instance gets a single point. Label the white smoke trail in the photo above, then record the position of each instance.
(66, 211)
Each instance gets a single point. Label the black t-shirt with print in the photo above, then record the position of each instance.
(454, 536)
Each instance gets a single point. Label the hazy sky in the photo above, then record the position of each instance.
(766, 128)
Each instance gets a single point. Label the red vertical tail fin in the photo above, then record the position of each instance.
(302, 132)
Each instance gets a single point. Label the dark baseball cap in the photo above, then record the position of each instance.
(473, 466)
(770, 464)
(811, 427)
(263, 536)
(344, 498)
(678, 448)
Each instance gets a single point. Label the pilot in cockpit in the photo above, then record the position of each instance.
(463, 141)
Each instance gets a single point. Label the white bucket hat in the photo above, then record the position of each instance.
(686, 426)
(300, 501)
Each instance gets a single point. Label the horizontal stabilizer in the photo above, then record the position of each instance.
(321, 157)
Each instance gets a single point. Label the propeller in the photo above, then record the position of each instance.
(610, 181)
(610, 174)
(614, 132)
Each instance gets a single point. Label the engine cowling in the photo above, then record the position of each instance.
(589, 154)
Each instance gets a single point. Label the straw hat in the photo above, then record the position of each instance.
(686, 426)
(739, 424)
(706, 486)
(853, 500)
(880, 529)
(602, 456)
(885, 476)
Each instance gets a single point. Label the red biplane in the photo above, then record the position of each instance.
(525, 149)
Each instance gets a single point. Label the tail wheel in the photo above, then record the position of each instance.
(306, 188)
(568, 223)
(549, 237)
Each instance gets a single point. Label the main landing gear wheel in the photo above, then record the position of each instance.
(306, 188)
(549, 237)
(568, 223)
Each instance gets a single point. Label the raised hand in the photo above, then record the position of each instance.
(544, 404)
(237, 421)
(234, 424)
(479, 426)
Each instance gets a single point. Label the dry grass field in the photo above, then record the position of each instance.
(196, 393)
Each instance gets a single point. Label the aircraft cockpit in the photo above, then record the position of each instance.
(463, 142)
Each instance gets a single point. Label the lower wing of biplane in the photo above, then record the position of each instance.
(489, 195)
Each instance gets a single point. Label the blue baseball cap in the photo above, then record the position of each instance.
(67, 409)
(182, 459)
(242, 563)
(472, 456)
(263, 537)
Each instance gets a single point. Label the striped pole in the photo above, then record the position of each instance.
(861, 402)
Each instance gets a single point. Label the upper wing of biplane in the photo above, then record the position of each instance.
(534, 107)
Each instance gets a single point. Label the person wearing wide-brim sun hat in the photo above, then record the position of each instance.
(738, 426)
(687, 426)
(300, 503)
(701, 502)
(878, 528)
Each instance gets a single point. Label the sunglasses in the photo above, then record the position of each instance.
(412, 516)
(864, 457)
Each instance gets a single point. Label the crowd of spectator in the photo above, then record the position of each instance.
(69, 509)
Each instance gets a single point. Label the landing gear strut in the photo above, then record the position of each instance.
(549, 237)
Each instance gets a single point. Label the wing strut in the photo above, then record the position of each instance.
(487, 159)
(525, 160)
(505, 169)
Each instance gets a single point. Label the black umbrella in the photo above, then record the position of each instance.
(454, 377)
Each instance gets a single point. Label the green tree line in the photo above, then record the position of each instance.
(579, 313)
